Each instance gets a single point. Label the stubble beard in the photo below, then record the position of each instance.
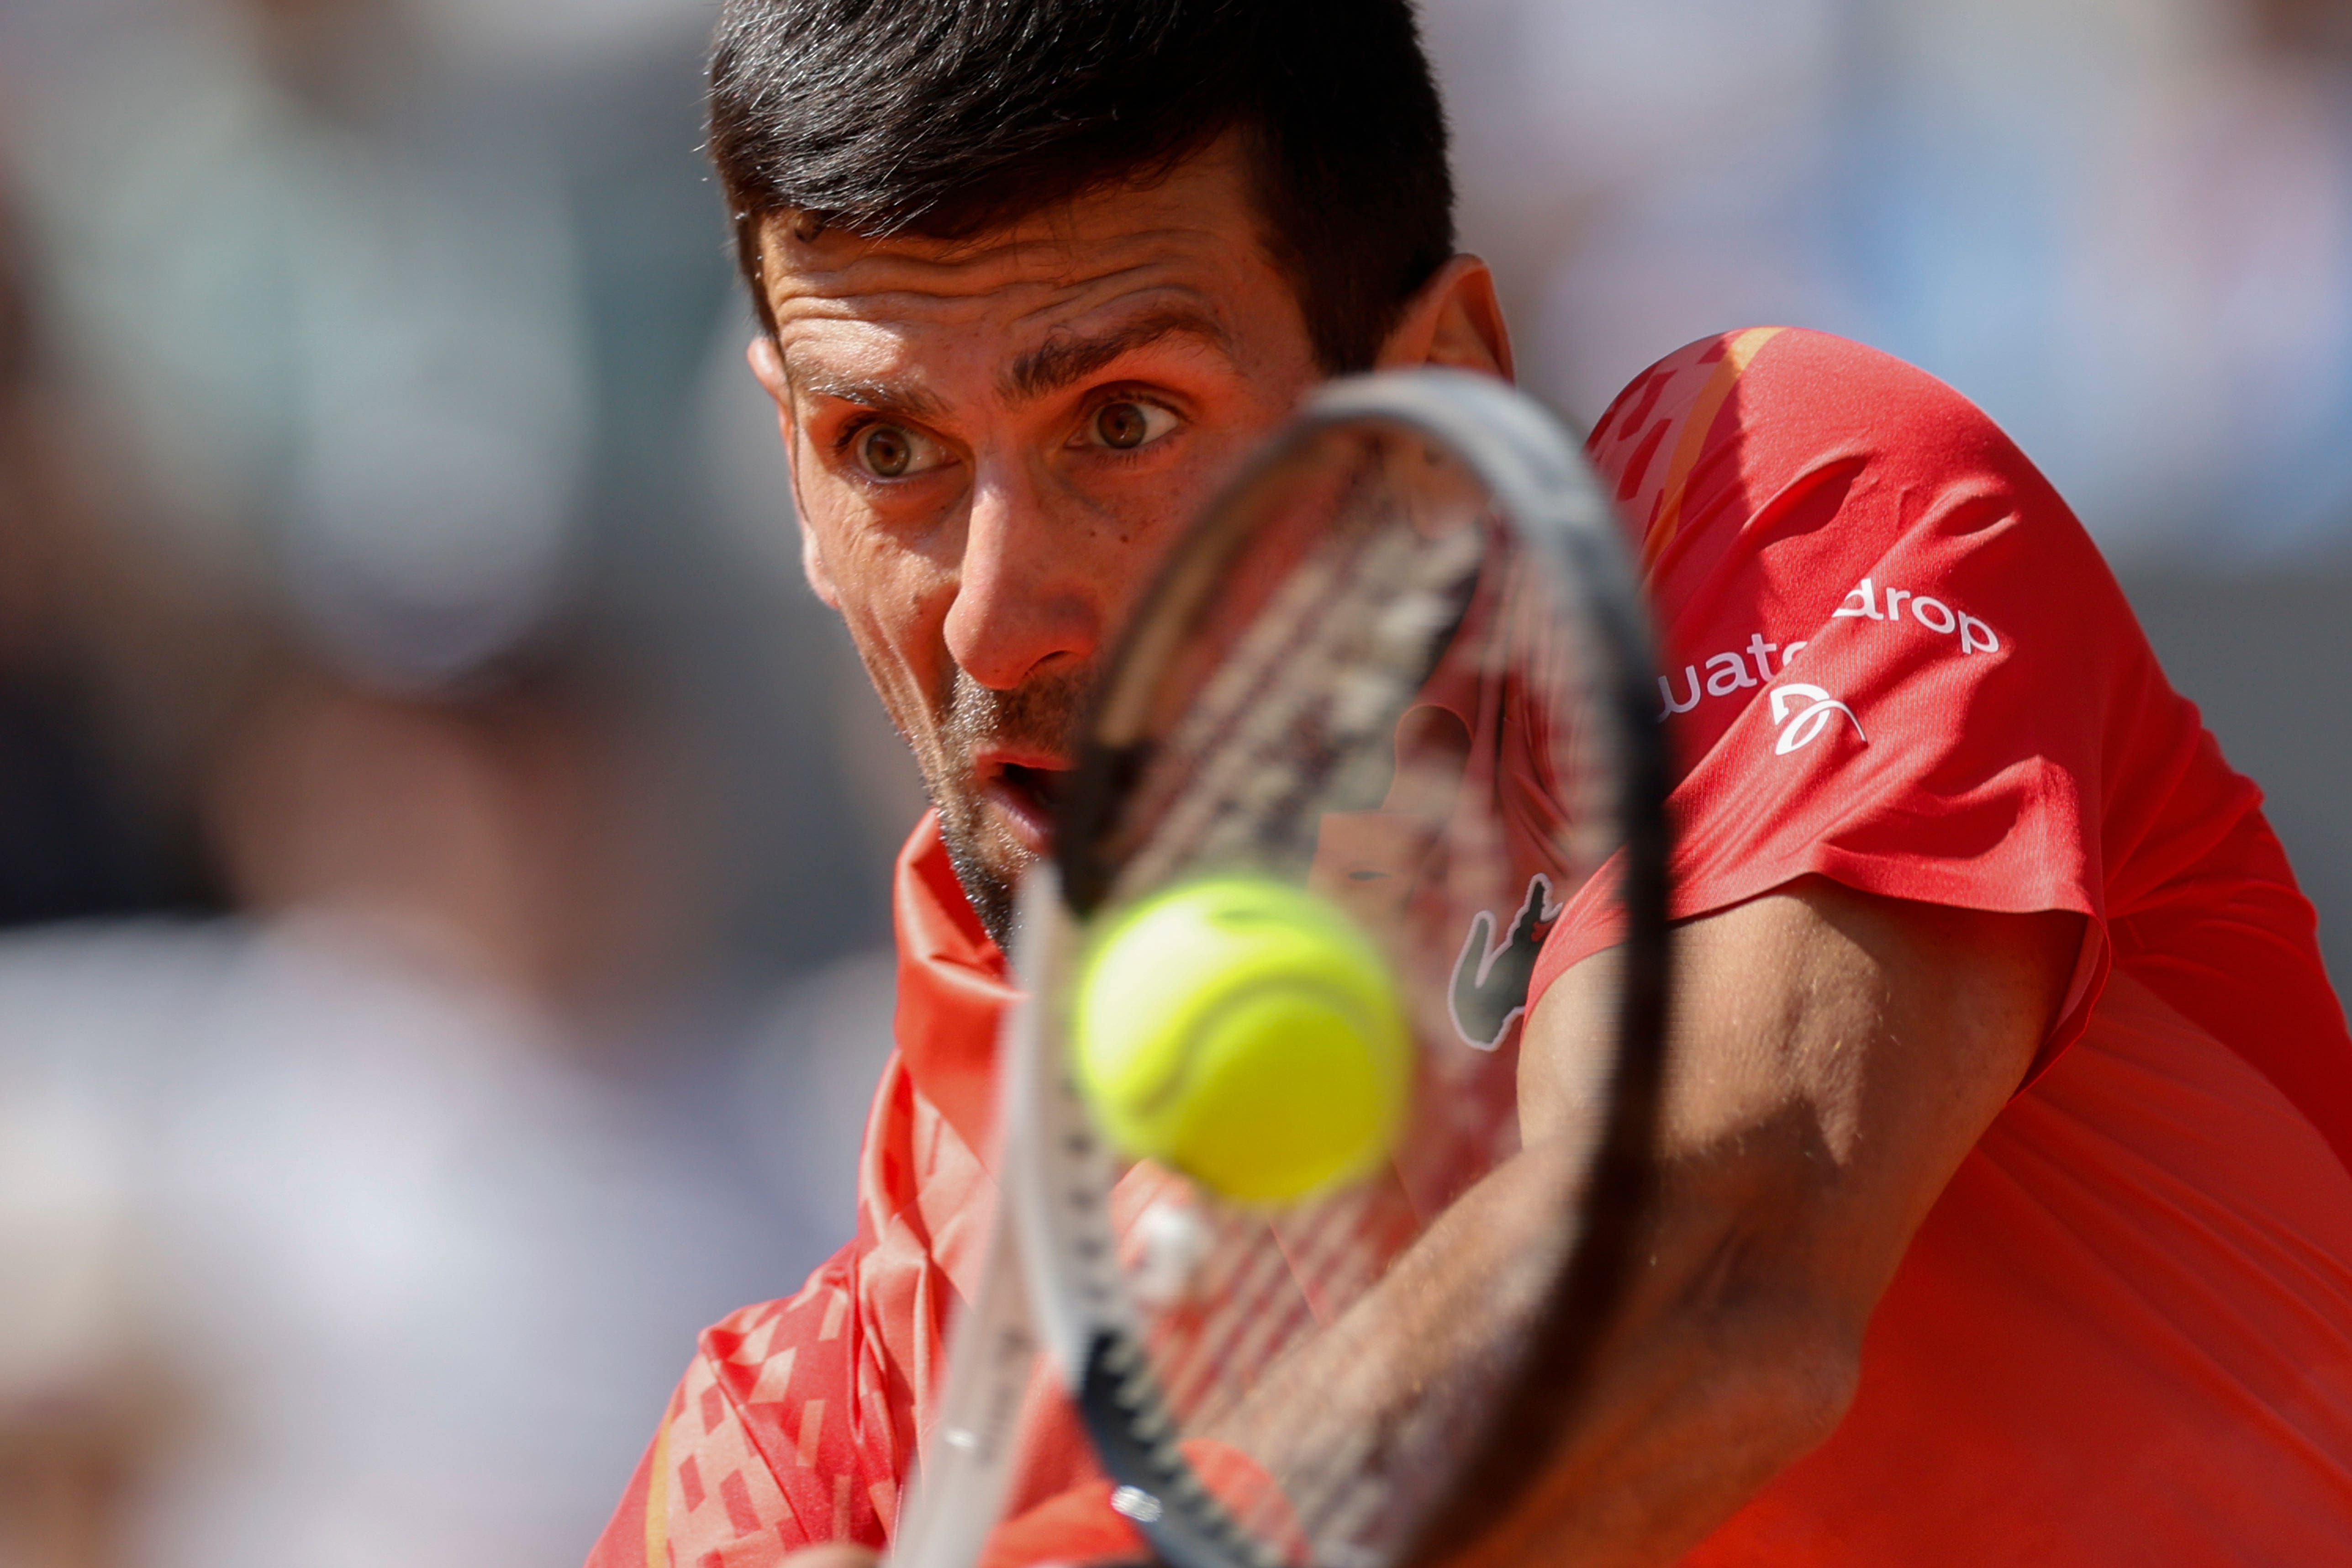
(1041, 715)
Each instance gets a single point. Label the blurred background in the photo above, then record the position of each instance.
(444, 847)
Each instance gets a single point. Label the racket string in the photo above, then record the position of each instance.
(1289, 728)
(1270, 709)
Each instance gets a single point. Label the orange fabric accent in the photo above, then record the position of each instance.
(1739, 351)
(798, 1420)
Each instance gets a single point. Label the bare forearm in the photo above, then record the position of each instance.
(1711, 1383)
(1722, 1370)
(1453, 1303)
(1838, 1056)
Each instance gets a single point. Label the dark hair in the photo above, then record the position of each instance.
(947, 118)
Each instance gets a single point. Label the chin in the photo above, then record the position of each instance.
(989, 859)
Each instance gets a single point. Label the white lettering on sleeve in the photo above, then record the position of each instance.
(1941, 623)
(1862, 600)
(1687, 703)
(1933, 614)
(1729, 678)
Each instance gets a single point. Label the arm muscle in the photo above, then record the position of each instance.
(1836, 1056)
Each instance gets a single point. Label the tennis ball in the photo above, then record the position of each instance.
(1245, 1033)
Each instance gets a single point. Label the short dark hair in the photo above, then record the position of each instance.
(947, 118)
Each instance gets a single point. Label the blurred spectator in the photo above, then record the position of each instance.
(2305, 28)
(84, 827)
(366, 1226)
(329, 293)
(307, 1219)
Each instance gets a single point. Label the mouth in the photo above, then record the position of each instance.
(1023, 790)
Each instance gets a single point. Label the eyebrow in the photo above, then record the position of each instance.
(1047, 368)
(1058, 361)
(882, 397)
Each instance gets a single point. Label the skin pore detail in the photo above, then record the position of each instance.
(994, 440)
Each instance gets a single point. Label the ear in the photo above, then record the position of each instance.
(1453, 320)
(768, 366)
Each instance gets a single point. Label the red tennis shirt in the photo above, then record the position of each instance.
(2124, 1334)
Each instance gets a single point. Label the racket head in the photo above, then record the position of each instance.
(1402, 663)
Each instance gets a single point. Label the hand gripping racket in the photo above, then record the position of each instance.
(1402, 663)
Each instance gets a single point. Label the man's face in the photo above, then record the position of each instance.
(993, 442)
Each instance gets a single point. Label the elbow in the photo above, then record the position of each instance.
(1818, 1373)
(1770, 1354)
(1697, 1412)
(1785, 1379)
(1776, 1331)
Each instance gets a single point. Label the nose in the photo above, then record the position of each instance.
(1029, 591)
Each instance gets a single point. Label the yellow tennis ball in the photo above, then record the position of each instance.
(1245, 1033)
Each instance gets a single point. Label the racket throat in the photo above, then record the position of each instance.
(1154, 1484)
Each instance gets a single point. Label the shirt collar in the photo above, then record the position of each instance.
(954, 988)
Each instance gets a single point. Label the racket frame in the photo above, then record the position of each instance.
(1053, 1282)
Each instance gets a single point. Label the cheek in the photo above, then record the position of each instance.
(1141, 517)
(894, 602)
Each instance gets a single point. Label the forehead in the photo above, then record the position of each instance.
(1189, 245)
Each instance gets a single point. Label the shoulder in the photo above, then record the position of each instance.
(779, 1431)
(1784, 464)
(759, 1358)
(1724, 428)
(1758, 378)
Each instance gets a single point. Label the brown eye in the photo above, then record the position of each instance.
(1125, 426)
(884, 452)
(1121, 424)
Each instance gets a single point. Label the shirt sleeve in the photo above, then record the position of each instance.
(1894, 660)
(769, 1443)
(796, 1421)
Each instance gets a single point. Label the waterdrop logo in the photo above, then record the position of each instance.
(1803, 712)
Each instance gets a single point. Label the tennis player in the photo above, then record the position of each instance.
(2008, 1216)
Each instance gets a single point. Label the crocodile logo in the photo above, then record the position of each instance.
(1490, 978)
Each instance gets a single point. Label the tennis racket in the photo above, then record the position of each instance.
(1402, 663)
